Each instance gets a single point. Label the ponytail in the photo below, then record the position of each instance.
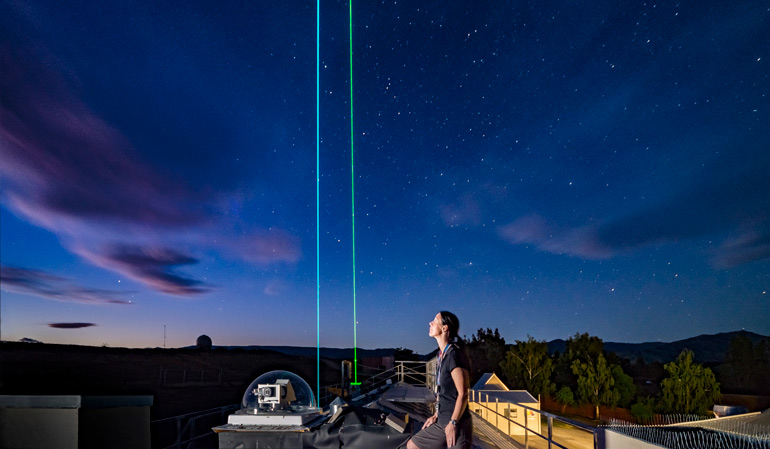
(452, 323)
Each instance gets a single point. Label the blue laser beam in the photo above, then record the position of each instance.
(318, 197)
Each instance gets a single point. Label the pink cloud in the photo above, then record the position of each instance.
(152, 266)
(536, 231)
(60, 159)
(465, 211)
(747, 247)
(68, 170)
(266, 247)
(48, 286)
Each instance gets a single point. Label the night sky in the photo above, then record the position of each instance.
(541, 167)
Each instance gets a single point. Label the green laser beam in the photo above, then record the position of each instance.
(353, 194)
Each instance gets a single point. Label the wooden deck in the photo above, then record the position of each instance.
(489, 434)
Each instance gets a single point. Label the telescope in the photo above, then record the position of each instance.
(275, 396)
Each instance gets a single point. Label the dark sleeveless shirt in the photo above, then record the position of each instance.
(447, 393)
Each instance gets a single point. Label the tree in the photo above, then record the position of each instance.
(485, 350)
(582, 347)
(528, 366)
(624, 384)
(762, 366)
(585, 348)
(689, 387)
(565, 397)
(643, 410)
(595, 383)
(739, 362)
(562, 372)
(404, 354)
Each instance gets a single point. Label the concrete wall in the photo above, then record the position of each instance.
(34, 428)
(72, 422)
(614, 440)
(118, 423)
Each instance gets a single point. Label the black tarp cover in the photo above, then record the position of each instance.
(356, 428)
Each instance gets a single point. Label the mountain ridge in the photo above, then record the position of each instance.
(708, 348)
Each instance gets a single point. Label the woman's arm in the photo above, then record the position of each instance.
(462, 382)
(430, 421)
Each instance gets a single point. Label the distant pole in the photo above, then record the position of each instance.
(164, 336)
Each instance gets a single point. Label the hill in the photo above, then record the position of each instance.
(310, 351)
(708, 349)
(180, 380)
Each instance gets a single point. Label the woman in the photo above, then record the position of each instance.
(451, 426)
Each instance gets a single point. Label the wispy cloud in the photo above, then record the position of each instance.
(70, 325)
(61, 160)
(48, 286)
(746, 248)
(152, 266)
(68, 170)
(545, 236)
(274, 287)
(736, 206)
(464, 211)
(264, 247)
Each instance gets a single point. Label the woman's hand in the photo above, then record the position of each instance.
(430, 421)
(451, 434)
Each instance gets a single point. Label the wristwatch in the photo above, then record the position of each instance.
(454, 422)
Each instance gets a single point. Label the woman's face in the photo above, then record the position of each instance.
(436, 326)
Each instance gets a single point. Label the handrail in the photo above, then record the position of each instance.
(550, 417)
(401, 372)
(185, 428)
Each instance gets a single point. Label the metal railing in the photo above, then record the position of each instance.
(481, 400)
(696, 435)
(186, 377)
(183, 431)
(371, 379)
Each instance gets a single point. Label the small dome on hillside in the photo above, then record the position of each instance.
(203, 342)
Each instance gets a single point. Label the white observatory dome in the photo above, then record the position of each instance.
(293, 394)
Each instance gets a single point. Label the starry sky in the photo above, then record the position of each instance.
(540, 167)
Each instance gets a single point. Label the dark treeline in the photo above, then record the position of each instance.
(587, 374)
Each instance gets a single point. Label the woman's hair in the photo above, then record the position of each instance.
(451, 321)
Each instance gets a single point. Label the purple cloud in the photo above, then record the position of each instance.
(536, 231)
(68, 170)
(70, 325)
(737, 206)
(265, 247)
(60, 159)
(465, 211)
(746, 248)
(48, 286)
(152, 266)
(274, 288)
